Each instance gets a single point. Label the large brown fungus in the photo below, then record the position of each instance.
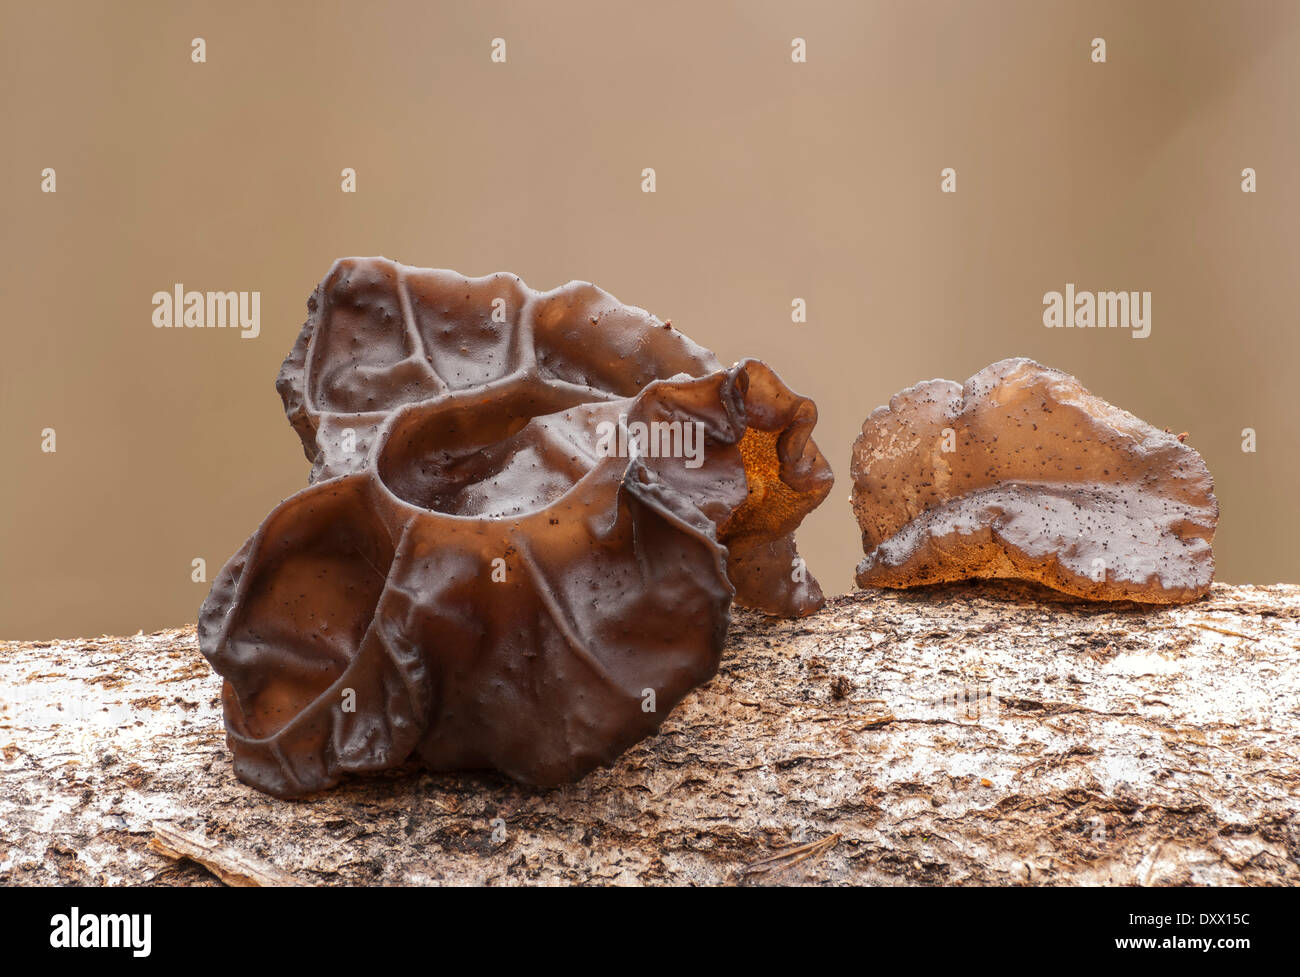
(529, 515)
(1023, 473)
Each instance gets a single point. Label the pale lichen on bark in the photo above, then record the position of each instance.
(980, 733)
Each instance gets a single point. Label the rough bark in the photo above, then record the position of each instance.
(984, 733)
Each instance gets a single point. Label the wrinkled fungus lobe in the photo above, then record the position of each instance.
(1023, 473)
(481, 566)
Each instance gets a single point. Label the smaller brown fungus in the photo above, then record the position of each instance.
(1022, 473)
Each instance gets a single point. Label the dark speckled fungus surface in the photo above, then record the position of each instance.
(1023, 473)
(529, 514)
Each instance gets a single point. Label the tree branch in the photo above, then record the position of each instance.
(983, 733)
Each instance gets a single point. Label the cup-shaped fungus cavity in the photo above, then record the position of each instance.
(1022, 473)
(527, 522)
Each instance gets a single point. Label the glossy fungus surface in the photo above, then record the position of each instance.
(529, 515)
(1023, 473)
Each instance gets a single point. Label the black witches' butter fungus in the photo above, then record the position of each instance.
(528, 516)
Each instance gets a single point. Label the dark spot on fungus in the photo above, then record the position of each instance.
(1045, 482)
(495, 590)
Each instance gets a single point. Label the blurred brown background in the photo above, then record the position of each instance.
(775, 180)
